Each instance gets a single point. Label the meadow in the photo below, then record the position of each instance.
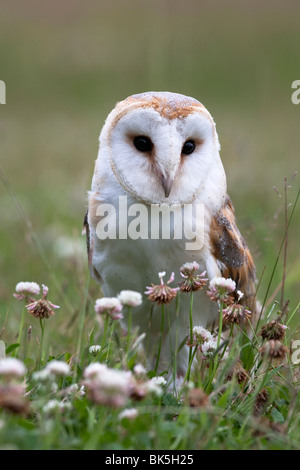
(65, 65)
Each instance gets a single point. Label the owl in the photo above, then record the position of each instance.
(161, 150)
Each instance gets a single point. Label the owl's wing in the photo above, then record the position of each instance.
(89, 245)
(89, 228)
(232, 254)
(87, 233)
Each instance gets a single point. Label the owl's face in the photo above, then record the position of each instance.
(163, 148)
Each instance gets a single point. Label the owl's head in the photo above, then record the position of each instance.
(163, 148)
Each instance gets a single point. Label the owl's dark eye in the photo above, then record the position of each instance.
(143, 143)
(188, 147)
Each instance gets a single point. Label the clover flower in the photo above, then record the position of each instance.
(128, 413)
(42, 308)
(25, 290)
(197, 398)
(208, 348)
(139, 370)
(201, 334)
(273, 349)
(94, 369)
(58, 368)
(160, 381)
(238, 372)
(42, 376)
(94, 349)
(109, 306)
(12, 368)
(236, 313)
(221, 289)
(130, 298)
(53, 406)
(162, 293)
(107, 386)
(192, 281)
(12, 398)
(273, 330)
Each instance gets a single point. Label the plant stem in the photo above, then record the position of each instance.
(285, 241)
(161, 334)
(220, 325)
(129, 326)
(41, 355)
(81, 324)
(106, 324)
(216, 359)
(20, 335)
(191, 326)
(188, 372)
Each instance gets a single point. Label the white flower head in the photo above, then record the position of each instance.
(94, 349)
(221, 289)
(107, 386)
(139, 370)
(209, 347)
(12, 368)
(58, 368)
(223, 283)
(54, 405)
(201, 334)
(161, 381)
(94, 370)
(190, 267)
(43, 375)
(130, 298)
(110, 306)
(129, 413)
(28, 288)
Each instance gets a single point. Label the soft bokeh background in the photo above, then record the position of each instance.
(66, 63)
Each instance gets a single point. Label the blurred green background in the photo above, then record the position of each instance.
(66, 64)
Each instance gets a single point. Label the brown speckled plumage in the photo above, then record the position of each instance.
(229, 247)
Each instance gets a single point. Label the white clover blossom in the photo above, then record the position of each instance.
(43, 375)
(128, 413)
(152, 387)
(130, 298)
(139, 370)
(110, 306)
(28, 288)
(201, 334)
(161, 381)
(209, 347)
(58, 368)
(190, 266)
(74, 390)
(221, 290)
(55, 405)
(11, 367)
(227, 284)
(108, 386)
(94, 349)
(24, 290)
(93, 370)
(191, 280)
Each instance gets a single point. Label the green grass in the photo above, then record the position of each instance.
(64, 69)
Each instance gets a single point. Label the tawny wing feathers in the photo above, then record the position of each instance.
(230, 249)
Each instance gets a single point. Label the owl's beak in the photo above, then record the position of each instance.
(167, 182)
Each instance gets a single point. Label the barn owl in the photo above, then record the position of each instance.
(161, 149)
